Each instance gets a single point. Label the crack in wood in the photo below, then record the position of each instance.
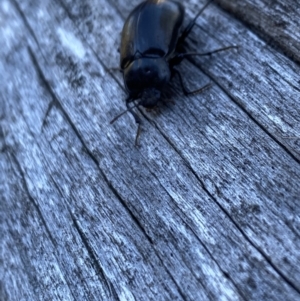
(263, 254)
(32, 200)
(249, 115)
(96, 261)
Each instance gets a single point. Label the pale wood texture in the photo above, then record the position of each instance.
(206, 208)
(276, 21)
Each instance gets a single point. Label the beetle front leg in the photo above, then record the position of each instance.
(129, 99)
(136, 118)
(129, 109)
(184, 89)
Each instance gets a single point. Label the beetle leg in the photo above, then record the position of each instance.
(188, 29)
(136, 118)
(129, 99)
(176, 60)
(129, 109)
(138, 132)
(113, 69)
(185, 90)
(181, 56)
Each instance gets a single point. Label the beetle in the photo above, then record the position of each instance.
(151, 46)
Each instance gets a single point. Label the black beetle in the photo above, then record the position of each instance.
(151, 46)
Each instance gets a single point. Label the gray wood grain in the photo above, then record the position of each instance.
(276, 21)
(206, 208)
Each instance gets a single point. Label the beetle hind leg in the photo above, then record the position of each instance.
(190, 26)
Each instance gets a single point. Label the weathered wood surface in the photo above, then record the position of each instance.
(207, 208)
(275, 20)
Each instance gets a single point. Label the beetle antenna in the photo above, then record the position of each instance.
(125, 111)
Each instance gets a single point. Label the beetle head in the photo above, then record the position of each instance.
(149, 97)
(146, 77)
